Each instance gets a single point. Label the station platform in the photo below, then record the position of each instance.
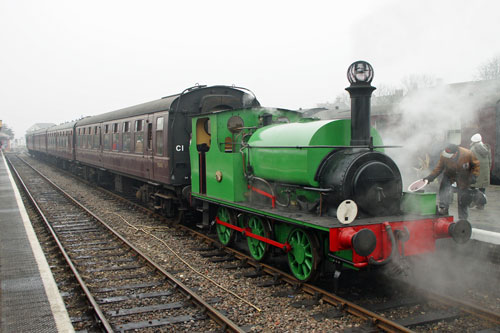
(29, 298)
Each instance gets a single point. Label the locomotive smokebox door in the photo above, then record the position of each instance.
(369, 178)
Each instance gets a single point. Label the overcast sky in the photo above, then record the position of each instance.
(62, 59)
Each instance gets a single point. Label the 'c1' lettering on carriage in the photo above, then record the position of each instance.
(179, 148)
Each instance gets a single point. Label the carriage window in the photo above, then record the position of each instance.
(107, 138)
(95, 141)
(126, 136)
(89, 137)
(116, 137)
(150, 136)
(138, 137)
(159, 136)
(84, 139)
(138, 125)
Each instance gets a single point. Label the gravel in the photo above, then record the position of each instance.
(257, 309)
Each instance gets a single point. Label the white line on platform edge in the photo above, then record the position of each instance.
(56, 302)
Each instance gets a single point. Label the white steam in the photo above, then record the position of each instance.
(431, 118)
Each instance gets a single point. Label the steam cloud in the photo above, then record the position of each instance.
(431, 118)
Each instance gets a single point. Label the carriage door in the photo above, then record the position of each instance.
(203, 146)
(148, 153)
(160, 161)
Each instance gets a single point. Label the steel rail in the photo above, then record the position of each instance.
(463, 305)
(213, 313)
(343, 304)
(340, 303)
(95, 306)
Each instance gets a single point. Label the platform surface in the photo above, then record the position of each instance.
(29, 298)
(485, 223)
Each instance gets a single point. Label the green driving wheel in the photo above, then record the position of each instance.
(257, 248)
(225, 234)
(303, 259)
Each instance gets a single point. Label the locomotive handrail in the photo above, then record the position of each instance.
(318, 189)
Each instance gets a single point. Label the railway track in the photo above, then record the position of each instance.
(125, 289)
(374, 316)
(422, 308)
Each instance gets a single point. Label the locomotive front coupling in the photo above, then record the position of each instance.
(460, 231)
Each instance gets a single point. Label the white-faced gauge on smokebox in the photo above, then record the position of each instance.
(347, 211)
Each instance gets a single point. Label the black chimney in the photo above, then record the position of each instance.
(360, 75)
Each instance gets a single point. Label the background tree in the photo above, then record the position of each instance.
(490, 69)
(6, 131)
(418, 81)
(341, 101)
(386, 94)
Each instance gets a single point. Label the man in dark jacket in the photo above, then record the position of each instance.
(460, 165)
(483, 154)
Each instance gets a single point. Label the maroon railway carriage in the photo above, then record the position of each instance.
(60, 142)
(36, 142)
(143, 147)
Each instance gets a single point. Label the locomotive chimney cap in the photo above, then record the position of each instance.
(360, 72)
